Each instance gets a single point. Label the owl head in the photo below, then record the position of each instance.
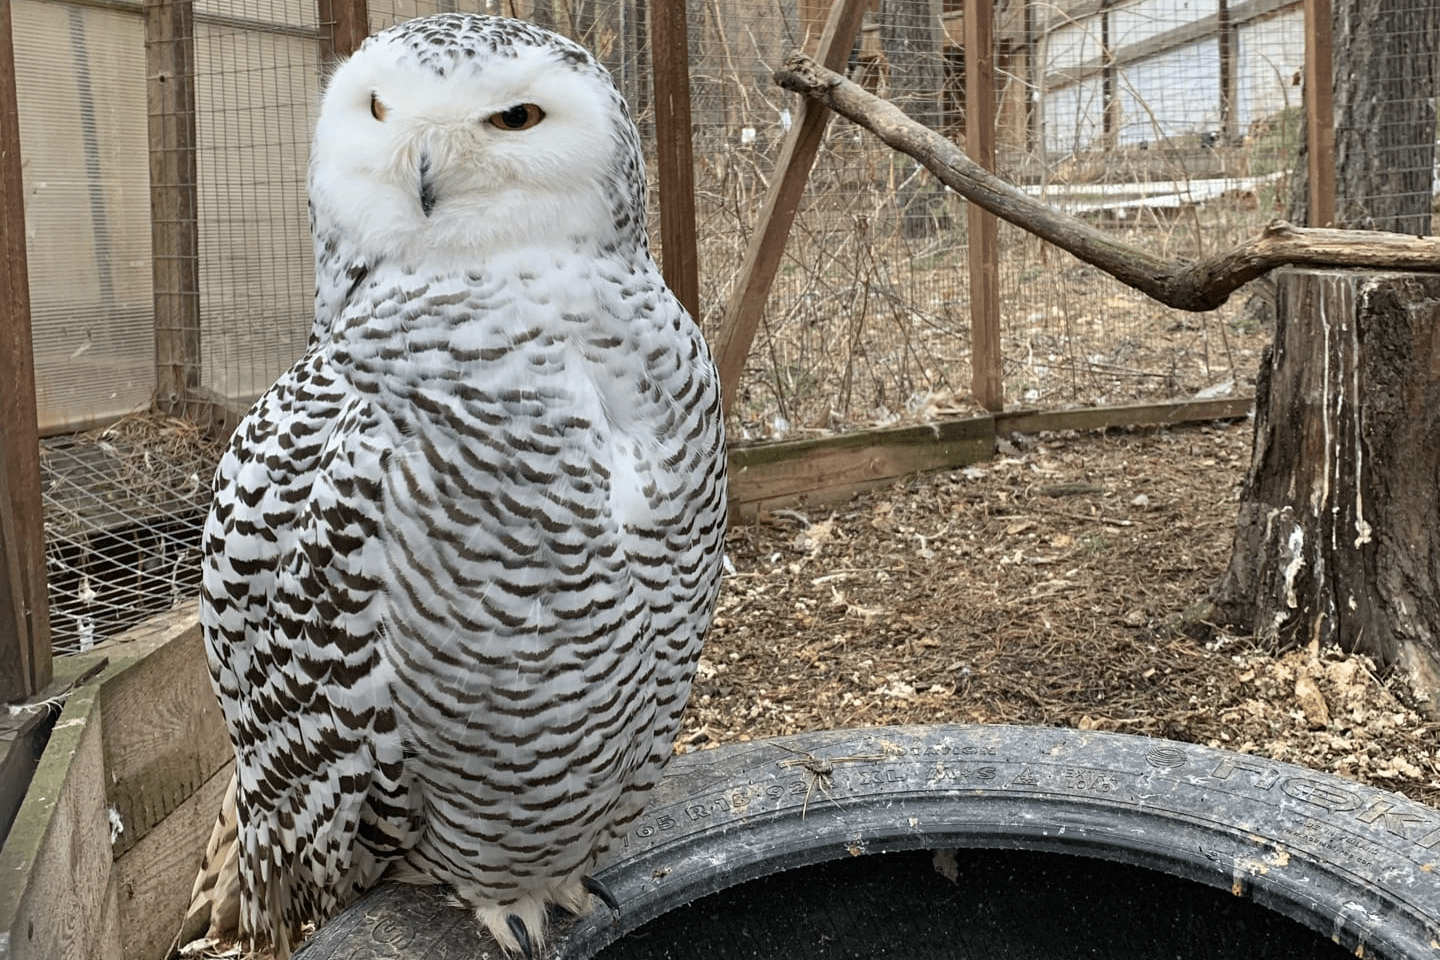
(449, 138)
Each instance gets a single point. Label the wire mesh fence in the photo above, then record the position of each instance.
(124, 510)
(1387, 65)
(1161, 121)
(80, 75)
(257, 81)
(1174, 124)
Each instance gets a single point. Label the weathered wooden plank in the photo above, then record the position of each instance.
(164, 734)
(675, 160)
(986, 362)
(1123, 415)
(148, 776)
(832, 468)
(154, 876)
(174, 199)
(1320, 110)
(56, 898)
(344, 25)
(24, 614)
(767, 244)
(25, 730)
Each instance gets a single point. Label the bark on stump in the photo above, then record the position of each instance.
(1338, 537)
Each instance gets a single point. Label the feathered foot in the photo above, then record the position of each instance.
(520, 926)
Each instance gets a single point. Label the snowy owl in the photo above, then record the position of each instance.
(462, 554)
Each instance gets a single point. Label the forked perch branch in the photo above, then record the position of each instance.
(1186, 284)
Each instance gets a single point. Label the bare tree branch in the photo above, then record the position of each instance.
(1185, 284)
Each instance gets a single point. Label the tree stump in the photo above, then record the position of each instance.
(1338, 537)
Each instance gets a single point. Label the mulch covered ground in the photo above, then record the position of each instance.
(1062, 583)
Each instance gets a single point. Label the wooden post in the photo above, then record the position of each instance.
(174, 202)
(984, 247)
(670, 59)
(25, 665)
(1034, 84)
(767, 244)
(1226, 44)
(1320, 110)
(1109, 101)
(344, 25)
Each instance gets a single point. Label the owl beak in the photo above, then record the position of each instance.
(427, 187)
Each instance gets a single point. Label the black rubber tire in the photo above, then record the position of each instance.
(1357, 866)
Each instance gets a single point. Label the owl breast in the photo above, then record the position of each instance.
(551, 540)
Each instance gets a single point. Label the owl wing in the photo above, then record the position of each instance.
(291, 612)
(671, 509)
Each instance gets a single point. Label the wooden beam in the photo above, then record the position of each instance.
(174, 199)
(986, 361)
(22, 743)
(344, 25)
(670, 59)
(158, 872)
(1034, 82)
(767, 243)
(25, 665)
(1320, 111)
(832, 468)
(164, 733)
(167, 760)
(1167, 413)
(1109, 102)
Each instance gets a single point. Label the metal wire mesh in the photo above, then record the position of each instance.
(1175, 126)
(1170, 123)
(124, 508)
(1385, 115)
(257, 81)
(80, 74)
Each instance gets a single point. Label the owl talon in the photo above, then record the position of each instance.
(517, 927)
(603, 892)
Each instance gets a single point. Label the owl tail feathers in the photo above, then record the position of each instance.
(214, 912)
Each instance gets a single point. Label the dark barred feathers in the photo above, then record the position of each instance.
(463, 554)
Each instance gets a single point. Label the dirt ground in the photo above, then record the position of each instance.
(1062, 584)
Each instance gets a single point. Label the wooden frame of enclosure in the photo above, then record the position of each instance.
(139, 747)
(121, 804)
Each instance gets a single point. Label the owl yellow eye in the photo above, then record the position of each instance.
(522, 116)
(377, 109)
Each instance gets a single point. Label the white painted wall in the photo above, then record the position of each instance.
(1172, 94)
